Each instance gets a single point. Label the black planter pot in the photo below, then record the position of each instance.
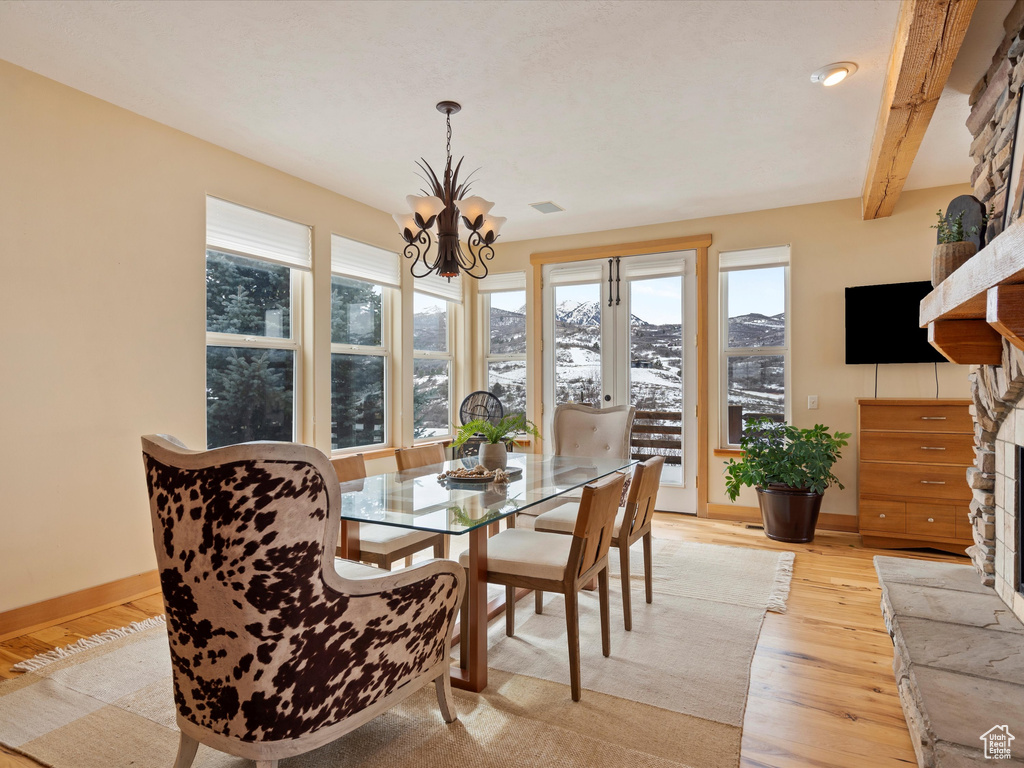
(789, 514)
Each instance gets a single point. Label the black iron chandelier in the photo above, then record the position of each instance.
(435, 218)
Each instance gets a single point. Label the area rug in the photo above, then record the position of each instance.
(107, 702)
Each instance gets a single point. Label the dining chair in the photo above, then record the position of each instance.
(632, 523)
(275, 649)
(383, 545)
(420, 456)
(549, 562)
(580, 430)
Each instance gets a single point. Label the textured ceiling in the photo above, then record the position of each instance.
(624, 113)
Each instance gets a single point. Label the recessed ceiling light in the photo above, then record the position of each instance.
(834, 73)
(547, 207)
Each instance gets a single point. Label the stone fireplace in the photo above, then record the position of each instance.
(998, 394)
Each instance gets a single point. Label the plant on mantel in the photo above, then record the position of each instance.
(953, 249)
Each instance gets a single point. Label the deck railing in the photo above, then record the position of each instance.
(658, 433)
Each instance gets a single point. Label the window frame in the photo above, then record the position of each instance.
(726, 352)
(387, 297)
(488, 357)
(448, 355)
(292, 344)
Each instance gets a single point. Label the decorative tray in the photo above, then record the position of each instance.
(478, 479)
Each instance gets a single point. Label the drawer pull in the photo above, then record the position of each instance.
(931, 519)
(931, 448)
(882, 515)
(934, 482)
(933, 418)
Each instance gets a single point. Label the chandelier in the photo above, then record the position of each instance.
(435, 220)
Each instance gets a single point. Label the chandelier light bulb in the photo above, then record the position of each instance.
(492, 226)
(474, 207)
(405, 221)
(426, 207)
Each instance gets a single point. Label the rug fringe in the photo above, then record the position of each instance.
(40, 661)
(780, 588)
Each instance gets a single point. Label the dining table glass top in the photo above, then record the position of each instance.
(418, 500)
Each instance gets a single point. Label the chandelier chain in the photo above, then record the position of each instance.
(448, 120)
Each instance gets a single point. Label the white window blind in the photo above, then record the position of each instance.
(503, 281)
(440, 288)
(775, 256)
(670, 264)
(588, 272)
(242, 230)
(365, 262)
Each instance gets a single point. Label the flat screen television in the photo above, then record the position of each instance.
(882, 325)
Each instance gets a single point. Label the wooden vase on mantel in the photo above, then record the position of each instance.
(949, 257)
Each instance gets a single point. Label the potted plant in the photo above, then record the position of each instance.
(493, 453)
(790, 468)
(953, 249)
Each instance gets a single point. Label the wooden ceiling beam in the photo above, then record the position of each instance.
(928, 37)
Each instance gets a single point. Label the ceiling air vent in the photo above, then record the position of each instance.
(547, 207)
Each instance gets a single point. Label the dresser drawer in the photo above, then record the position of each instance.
(933, 520)
(883, 516)
(916, 418)
(926, 449)
(915, 481)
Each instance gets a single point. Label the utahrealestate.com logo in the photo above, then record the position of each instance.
(997, 742)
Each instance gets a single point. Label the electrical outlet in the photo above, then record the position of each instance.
(812, 402)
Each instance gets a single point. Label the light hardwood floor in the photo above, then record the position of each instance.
(822, 693)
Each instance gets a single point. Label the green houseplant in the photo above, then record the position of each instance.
(493, 453)
(791, 468)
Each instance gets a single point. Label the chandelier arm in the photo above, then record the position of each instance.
(413, 251)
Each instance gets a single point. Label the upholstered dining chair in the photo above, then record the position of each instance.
(549, 562)
(632, 523)
(383, 545)
(274, 651)
(579, 430)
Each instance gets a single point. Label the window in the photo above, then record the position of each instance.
(755, 337)
(432, 356)
(254, 263)
(362, 281)
(503, 298)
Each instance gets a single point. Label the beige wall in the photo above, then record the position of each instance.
(102, 239)
(832, 247)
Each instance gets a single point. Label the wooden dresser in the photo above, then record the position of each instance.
(914, 456)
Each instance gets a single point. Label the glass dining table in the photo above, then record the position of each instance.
(418, 500)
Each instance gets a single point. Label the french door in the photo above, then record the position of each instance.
(621, 332)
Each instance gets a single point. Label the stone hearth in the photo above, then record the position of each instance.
(958, 659)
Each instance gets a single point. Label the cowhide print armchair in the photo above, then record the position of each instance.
(275, 649)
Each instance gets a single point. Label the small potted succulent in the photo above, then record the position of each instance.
(791, 468)
(954, 248)
(493, 453)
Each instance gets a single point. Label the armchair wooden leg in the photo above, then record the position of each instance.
(464, 630)
(408, 561)
(187, 747)
(439, 548)
(606, 621)
(538, 601)
(266, 764)
(572, 626)
(443, 685)
(627, 606)
(648, 567)
(510, 611)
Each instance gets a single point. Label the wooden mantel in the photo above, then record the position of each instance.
(974, 309)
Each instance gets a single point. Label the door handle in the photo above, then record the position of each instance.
(607, 398)
(931, 448)
(934, 482)
(933, 418)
